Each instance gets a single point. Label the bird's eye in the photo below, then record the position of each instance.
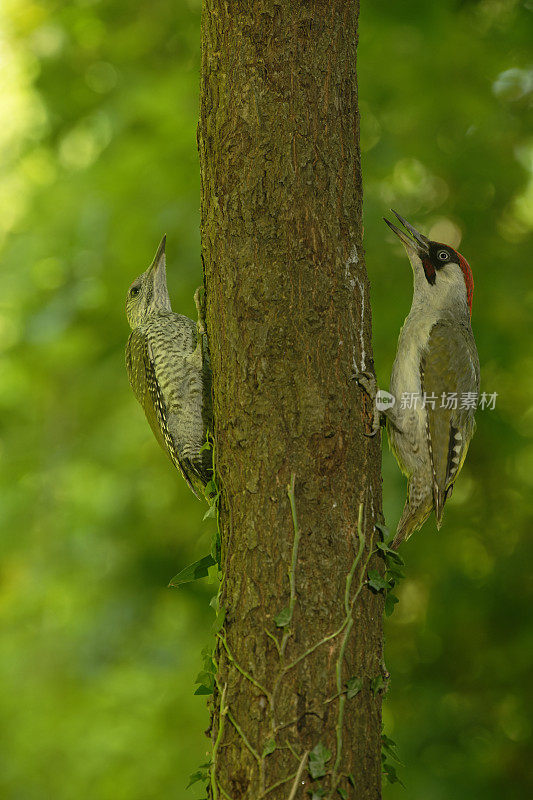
(442, 255)
(134, 291)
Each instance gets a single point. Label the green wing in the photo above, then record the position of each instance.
(143, 380)
(449, 365)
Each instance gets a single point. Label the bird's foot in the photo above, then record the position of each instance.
(383, 402)
(367, 381)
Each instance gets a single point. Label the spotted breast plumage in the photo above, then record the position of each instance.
(167, 360)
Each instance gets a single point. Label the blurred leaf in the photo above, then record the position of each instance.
(390, 602)
(202, 774)
(211, 512)
(391, 774)
(199, 569)
(220, 619)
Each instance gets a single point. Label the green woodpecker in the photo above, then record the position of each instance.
(168, 366)
(435, 379)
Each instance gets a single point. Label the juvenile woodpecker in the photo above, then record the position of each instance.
(167, 360)
(437, 369)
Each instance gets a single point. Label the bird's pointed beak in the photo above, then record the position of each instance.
(157, 274)
(416, 244)
(159, 258)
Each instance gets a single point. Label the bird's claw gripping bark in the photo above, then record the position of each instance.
(367, 381)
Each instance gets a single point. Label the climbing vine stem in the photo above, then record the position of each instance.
(292, 565)
(284, 619)
(348, 607)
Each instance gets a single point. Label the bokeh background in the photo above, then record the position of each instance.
(98, 112)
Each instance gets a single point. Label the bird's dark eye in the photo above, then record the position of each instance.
(134, 291)
(443, 255)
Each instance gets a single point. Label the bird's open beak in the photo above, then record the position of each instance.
(418, 244)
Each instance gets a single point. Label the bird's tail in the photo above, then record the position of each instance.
(416, 511)
(440, 500)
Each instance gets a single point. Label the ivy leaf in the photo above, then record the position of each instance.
(220, 619)
(318, 757)
(204, 690)
(204, 677)
(199, 569)
(388, 747)
(270, 746)
(283, 618)
(394, 574)
(317, 794)
(215, 545)
(202, 774)
(390, 602)
(351, 780)
(391, 775)
(377, 684)
(376, 581)
(353, 687)
(394, 556)
(211, 512)
(343, 793)
(210, 488)
(207, 657)
(388, 552)
(387, 535)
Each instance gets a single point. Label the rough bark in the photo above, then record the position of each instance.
(288, 318)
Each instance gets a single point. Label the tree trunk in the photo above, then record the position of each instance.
(288, 318)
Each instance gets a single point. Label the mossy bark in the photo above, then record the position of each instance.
(288, 318)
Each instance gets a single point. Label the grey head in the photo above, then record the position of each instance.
(442, 276)
(148, 293)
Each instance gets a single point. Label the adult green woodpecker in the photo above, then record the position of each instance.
(434, 381)
(167, 360)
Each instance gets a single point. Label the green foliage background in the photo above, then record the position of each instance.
(98, 106)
